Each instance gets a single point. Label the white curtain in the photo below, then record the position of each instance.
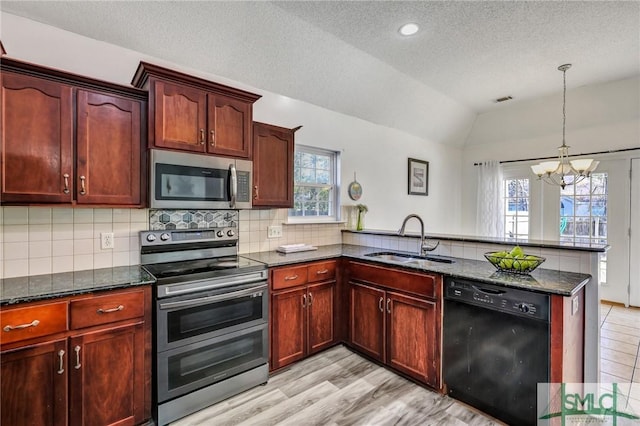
(490, 207)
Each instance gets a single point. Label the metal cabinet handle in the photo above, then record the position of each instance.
(66, 183)
(201, 136)
(83, 189)
(21, 326)
(255, 192)
(324, 271)
(292, 277)
(304, 300)
(78, 365)
(380, 304)
(61, 356)
(106, 311)
(310, 299)
(388, 305)
(213, 138)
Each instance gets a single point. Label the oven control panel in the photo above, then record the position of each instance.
(182, 236)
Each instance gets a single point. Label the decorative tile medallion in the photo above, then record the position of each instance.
(192, 219)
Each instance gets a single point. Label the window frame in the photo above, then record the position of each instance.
(505, 201)
(334, 173)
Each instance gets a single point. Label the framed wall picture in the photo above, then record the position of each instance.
(418, 178)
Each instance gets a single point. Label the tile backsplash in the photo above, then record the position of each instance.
(43, 240)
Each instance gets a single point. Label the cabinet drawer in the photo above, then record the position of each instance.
(106, 309)
(32, 321)
(289, 277)
(421, 284)
(321, 271)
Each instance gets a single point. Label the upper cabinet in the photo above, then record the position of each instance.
(273, 150)
(70, 139)
(191, 114)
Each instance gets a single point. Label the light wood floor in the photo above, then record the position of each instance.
(337, 387)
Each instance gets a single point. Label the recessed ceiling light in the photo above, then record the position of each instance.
(409, 29)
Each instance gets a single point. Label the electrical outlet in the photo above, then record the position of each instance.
(106, 240)
(274, 231)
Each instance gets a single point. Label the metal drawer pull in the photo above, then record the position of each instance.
(310, 299)
(83, 189)
(21, 326)
(201, 136)
(388, 306)
(324, 271)
(61, 356)
(304, 300)
(380, 304)
(66, 183)
(106, 311)
(78, 365)
(213, 138)
(255, 192)
(292, 277)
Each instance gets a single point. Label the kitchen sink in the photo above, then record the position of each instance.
(408, 257)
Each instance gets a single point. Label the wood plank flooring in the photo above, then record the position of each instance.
(337, 388)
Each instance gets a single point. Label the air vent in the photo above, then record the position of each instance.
(503, 99)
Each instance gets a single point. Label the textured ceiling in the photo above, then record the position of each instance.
(347, 55)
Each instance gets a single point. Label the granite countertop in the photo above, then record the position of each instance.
(541, 280)
(41, 287)
(564, 245)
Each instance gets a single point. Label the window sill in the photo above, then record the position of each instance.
(313, 222)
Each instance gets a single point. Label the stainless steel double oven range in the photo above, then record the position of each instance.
(211, 312)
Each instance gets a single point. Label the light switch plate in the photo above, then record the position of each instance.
(274, 231)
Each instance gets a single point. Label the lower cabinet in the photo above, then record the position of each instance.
(105, 374)
(400, 329)
(34, 384)
(302, 316)
(96, 371)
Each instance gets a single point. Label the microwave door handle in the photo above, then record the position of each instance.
(234, 185)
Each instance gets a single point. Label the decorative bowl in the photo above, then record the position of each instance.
(520, 265)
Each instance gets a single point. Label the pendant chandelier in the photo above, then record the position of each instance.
(555, 172)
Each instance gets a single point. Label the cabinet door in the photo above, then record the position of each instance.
(107, 377)
(288, 326)
(320, 308)
(367, 320)
(34, 385)
(108, 149)
(180, 117)
(272, 166)
(37, 140)
(229, 131)
(412, 339)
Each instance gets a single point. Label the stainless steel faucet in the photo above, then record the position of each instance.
(424, 247)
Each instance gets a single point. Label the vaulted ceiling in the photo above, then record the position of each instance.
(349, 57)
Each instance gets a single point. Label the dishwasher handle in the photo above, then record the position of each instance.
(490, 291)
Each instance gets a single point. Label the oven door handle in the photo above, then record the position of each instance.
(218, 298)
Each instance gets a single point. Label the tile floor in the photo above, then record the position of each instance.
(620, 351)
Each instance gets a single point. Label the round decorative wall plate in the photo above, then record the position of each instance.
(355, 189)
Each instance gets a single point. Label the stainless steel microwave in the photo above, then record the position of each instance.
(193, 181)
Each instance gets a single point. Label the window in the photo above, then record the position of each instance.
(583, 214)
(315, 188)
(516, 208)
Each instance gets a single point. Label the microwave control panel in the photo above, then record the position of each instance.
(244, 186)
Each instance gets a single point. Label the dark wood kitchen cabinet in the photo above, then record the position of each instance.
(69, 139)
(191, 114)
(83, 360)
(395, 317)
(273, 151)
(302, 307)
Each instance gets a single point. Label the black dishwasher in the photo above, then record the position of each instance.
(495, 348)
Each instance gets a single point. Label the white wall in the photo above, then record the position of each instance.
(378, 154)
(603, 117)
